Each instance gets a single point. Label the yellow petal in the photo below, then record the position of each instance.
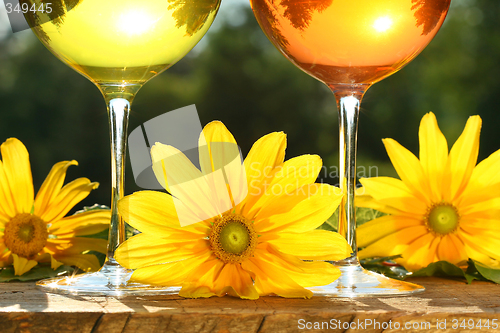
(394, 193)
(47, 256)
(236, 282)
(144, 250)
(199, 283)
(486, 242)
(304, 210)
(215, 278)
(220, 158)
(70, 195)
(293, 174)
(204, 274)
(169, 274)
(7, 208)
(17, 170)
(217, 147)
(171, 166)
(203, 196)
(312, 245)
(394, 243)
(433, 154)
(488, 208)
(484, 183)
(367, 201)
(54, 264)
(51, 186)
(374, 230)
(5, 255)
(480, 224)
(82, 224)
(77, 245)
(269, 280)
(193, 290)
(86, 262)
(451, 249)
(462, 159)
(22, 265)
(420, 253)
(408, 168)
(474, 196)
(486, 172)
(266, 154)
(306, 274)
(155, 213)
(474, 252)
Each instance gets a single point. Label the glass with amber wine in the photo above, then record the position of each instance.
(118, 45)
(350, 45)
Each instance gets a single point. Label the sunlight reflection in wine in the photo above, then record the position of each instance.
(382, 24)
(135, 22)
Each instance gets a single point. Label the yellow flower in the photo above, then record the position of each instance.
(443, 208)
(34, 230)
(254, 248)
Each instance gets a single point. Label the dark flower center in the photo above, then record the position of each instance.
(233, 238)
(442, 219)
(25, 235)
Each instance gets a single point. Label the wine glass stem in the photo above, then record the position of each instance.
(118, 100)
(118, 109)
(348, 102)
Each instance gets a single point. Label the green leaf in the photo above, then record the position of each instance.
(363, 215)
(380, 260)
(395, 272)
(91, 208)
(332, 223)
(472, 274)
(488, 273)
(384, 266)
(440, 268)
(471, 277)
(38, 272)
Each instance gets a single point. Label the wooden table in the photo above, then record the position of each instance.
(453, 303)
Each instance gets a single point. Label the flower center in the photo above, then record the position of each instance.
(442, 219)
(25, 235)
(233, 238)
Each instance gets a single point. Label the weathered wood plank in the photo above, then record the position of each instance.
(447, 304)
(42, 322)
(111, 323)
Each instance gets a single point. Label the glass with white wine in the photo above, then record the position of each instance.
(118, 45)
(350, 45)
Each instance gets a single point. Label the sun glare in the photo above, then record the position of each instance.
(135, 22)
(382, 24)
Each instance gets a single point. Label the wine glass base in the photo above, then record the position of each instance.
(111, 280)
(355, 281)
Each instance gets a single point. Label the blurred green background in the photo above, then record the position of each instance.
(235, 75)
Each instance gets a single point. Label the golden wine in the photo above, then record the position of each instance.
(121, 41)
(350, 41)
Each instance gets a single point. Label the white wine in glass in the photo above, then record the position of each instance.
(119, 45)
(350, 45)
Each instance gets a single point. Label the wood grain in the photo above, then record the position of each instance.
(447, 303)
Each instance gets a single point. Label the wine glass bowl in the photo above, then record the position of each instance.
(348, 42)
(123, 41)
(118, 45)
(350, 45)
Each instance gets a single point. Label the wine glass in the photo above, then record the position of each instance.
(119, 45)
(349, 45)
